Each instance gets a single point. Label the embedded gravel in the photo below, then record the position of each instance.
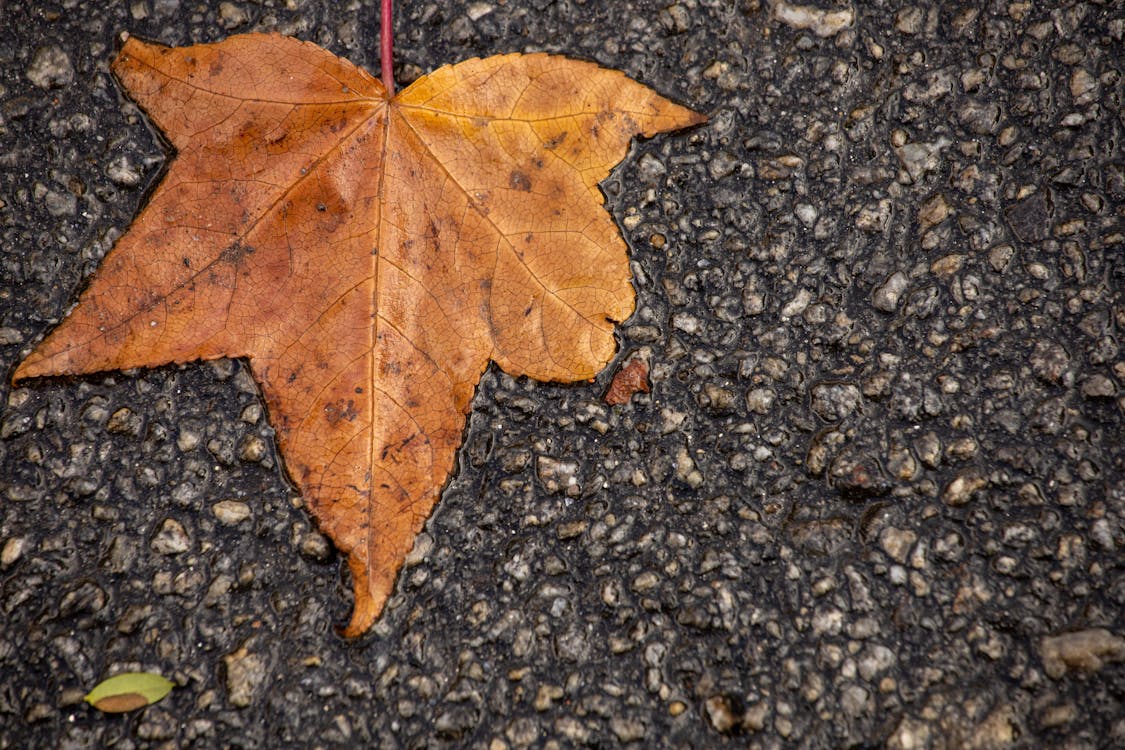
(876, 497)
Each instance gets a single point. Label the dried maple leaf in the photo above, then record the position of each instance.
(368, 255)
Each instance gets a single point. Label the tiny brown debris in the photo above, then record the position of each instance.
(630, 379)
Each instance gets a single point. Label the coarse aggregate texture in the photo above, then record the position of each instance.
(876, 497)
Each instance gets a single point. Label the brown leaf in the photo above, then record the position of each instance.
(630, 379)
(368, 256)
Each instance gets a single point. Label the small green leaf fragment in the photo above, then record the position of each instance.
(128, 692)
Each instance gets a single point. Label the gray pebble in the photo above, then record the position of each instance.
(886, 296)
(834, 401)
(122, 172)
(231, 512)
(1098, 386)
(172, 539)
(823, 23)
(897, 542)
(246, 672)
(557, 475)
(50, 68)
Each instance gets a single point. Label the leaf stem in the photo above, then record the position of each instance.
(386, 47)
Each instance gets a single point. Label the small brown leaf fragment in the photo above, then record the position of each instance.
(369, 255)
(631, 378)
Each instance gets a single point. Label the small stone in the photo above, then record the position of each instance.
(522, 732)
(717, 398)
(253, 449)
(1049, 361)
(50, 68)
(627, 730)
(961, 489)
(172, 539)
(122, 172)
(981, 118)
(909, 20)
(823, 23)
(123, 422)
(806, 213)
(797, 305)
(928, 447)
(572, 529)
(948, 265)
(887, 295)
(645, 581)
(919, 158)
(188, 439)
(910, 734)
(999, 730)
(246, 672)
(87, 597)
(721, 165)
(1058, 715)
(897, 542)
(1101, 533)
(760, 400)
(1098, 386)
(60, 204)
(13, 550)
(557, 475)
(423, 545)
(230, 512)
(546, 695)
(573, 730)
(8, 335)
(217, 590)
(933, 212)
(721, 712)
(834, 401)
(1000, 256)
(876, 659)
(1083, 86)
(315, 546)
(874, 216)
(686, 471)
(854, 700)
(1084, 650)
(687, 323)
(231, 15)
(754, 719)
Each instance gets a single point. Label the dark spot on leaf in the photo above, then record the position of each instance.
(338, 411)
(235, 253)
(518, 180)
(555, 142)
